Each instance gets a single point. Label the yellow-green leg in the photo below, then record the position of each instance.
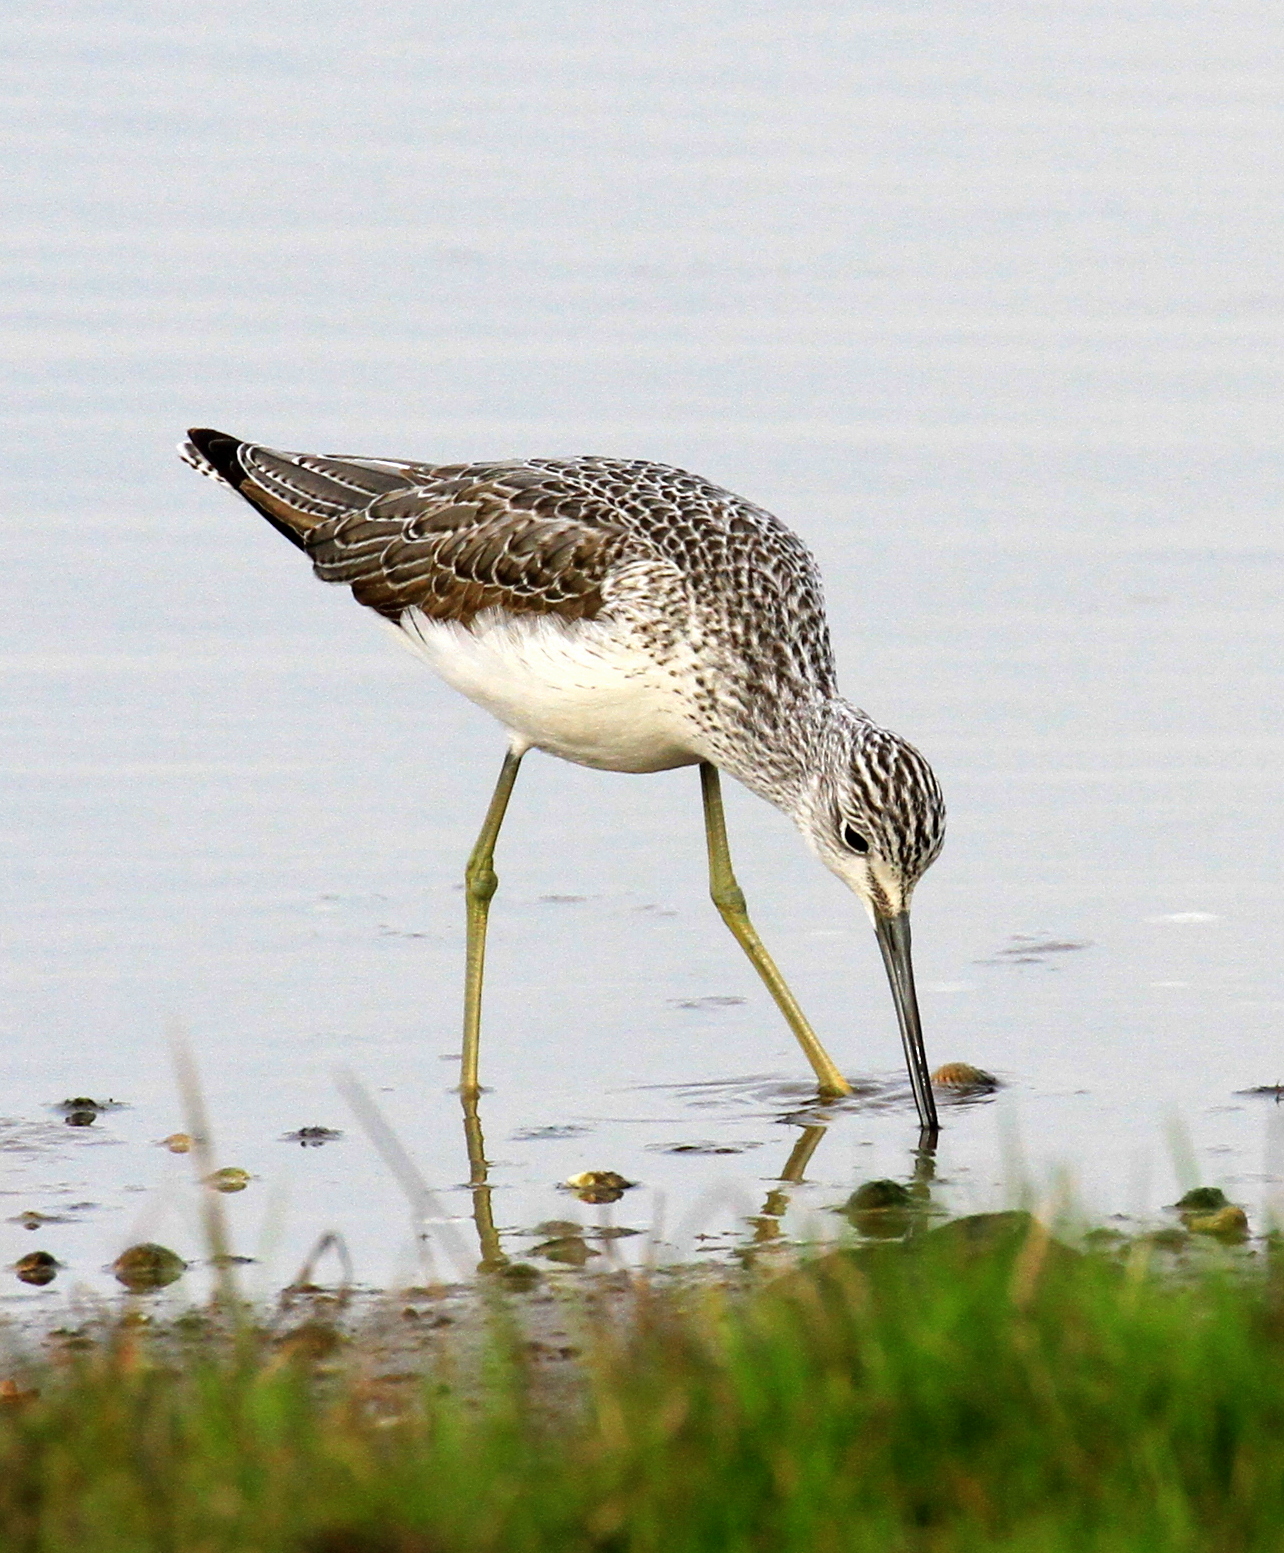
(480, 884)
(730, 901)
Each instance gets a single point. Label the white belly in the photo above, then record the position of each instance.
(573, 688)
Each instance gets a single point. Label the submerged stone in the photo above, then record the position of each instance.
(879, 1194)
(148, 1266)
(569, 1250)
(37, 1267)
(1202, 1199)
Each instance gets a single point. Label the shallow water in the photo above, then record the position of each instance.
(985, 302)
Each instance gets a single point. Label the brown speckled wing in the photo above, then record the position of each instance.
(451, 540)
(492, 536)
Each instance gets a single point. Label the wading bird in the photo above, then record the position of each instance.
(631, 617)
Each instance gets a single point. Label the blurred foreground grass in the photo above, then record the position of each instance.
(984, 1387)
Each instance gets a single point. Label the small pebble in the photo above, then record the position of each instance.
(230, 1179)
(37, 1267)
(965, 1079)
(598, 1186)
(148, 1266)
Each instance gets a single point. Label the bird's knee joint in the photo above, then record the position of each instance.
(481, 884)
(729, 899)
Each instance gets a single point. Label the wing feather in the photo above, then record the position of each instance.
(451, 540)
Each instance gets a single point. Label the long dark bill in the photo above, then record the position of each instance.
(894, 941)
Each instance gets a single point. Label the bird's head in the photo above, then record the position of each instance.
(874, 815)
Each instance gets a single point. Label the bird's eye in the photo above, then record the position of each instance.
(855, 840)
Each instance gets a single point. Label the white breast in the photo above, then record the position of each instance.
(579, 689)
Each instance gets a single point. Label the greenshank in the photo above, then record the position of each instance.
(630, 617)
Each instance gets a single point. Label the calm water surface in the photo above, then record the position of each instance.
(984, 300)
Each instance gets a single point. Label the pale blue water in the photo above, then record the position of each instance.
(984, 300)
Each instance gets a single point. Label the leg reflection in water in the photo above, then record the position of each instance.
(767, 1225)
(493, 1257)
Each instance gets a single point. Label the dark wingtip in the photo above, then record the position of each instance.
(219, 451)
(209, 450)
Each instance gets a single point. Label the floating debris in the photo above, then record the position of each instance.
(37, 1267)
(148, 1266)
(598, 1186)
(1024, 949)
(311, 1137)
(551, 1133)
(1275, 1091)
(231, 1178)
(964, 1079)
(701, 1148)
(83, 1111)
(177, 1143)
(1229, 1223)
(32, 1218)
(1021, 944)
(710, 1002)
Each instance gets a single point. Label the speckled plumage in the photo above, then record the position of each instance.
(689, 579)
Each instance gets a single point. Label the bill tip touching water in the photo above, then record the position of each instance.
(626, 616)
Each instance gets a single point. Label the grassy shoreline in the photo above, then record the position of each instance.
(983, 1386)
